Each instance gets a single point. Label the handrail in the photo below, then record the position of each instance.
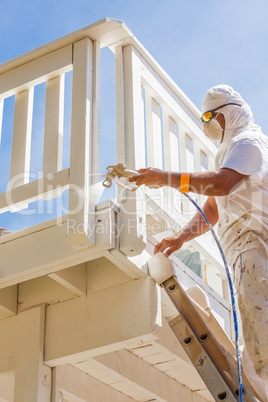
(156, 124)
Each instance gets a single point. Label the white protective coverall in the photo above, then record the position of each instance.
(243, 225)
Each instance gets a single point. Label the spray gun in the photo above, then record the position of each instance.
(118, 170)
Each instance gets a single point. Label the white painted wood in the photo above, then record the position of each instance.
(189, 149)
(157, 135)
(95, 168)
(51, 235)
(120, 105)
(117, 379)
(171, 145)
(197, 158)
(171, 157)
(29, 357)
(1, 116)
(211, 163)
(73, 278)
(176, 222)
(8, 301)
(133, 235)
(166, 96)
(53, 133)
(204, 161)
(149, 129)
(56, 394)
(46, 384)
(7, 389)
(182, 150)
(135, 142)
(188, 208)
(84, 327)
(36, 71)
(185, 166)
(61, 254)
(8, 342)
(150, 374)
(153, 132)
(109, 32)
(198, 168)
(21, 144)
(81, 202)
(75, 382)
(16, 198)
(103, 274)
(135, 269)
(107, 226)
(201, 165)
(120, 116)
(42, 290)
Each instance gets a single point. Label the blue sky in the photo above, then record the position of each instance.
(198, 43)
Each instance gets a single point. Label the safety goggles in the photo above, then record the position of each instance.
(207, 116)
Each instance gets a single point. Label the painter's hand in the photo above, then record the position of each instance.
(151, 177)
(170, 244)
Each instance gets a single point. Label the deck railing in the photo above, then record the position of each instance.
(156, 125)
(83, 58)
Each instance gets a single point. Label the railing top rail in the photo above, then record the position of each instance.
(105, 31)
(112, 33)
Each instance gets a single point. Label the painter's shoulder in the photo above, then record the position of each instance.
(251, 136)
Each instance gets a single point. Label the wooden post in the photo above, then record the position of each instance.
(130, 145)
(120, 116)
(81, 203)
(95, 168)
(29, 371)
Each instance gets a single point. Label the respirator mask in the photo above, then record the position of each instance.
(213, 130)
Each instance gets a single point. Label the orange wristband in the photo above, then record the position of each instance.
(185, 182)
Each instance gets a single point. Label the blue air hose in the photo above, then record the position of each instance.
(239, 369)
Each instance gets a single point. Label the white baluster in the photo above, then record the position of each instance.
(211, 163)
(187, 165)
(21, 144)
(198, 168)
(182, 151)
(189, 146)
(153, 131)
(53, 133)
(171, 146)
(171, 155)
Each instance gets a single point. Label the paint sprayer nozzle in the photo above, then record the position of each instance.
(118, 170)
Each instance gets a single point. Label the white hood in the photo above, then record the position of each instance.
(237, 118)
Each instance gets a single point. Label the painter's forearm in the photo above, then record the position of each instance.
(206, 183)
(196, 227)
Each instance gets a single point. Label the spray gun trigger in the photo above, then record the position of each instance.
(106, 183)
(118, 170)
